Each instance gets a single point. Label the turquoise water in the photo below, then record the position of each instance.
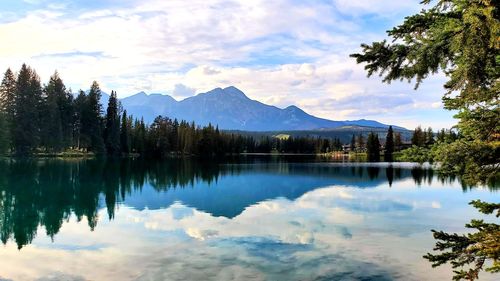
(250, 219)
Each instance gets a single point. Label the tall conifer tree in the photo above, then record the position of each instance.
(28, 100)
(4, 134)
(398, 142)
(52, 126)
(373, 147)
(7, 94)
(7, 108)
(389, 145)
(353, 143)
(125, 134)
(81, 137)
(93, 119)
(112, 129)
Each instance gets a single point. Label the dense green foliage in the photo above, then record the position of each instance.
(421, 137)
(4, 134)
(459, 38)
(373, 147)
(36, 119)
(415, 153)
(474, 248)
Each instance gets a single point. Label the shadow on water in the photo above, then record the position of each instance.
(46, 192)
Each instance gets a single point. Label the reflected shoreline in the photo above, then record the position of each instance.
(46, 192)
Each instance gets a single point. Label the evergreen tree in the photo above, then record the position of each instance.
(360, 142)
(373, 147)
(7, 109)
(4, 134)
(52, 120)
(124, 134)
(130, 125)
(429, 137)
(141, 137)
(440, 136)
(158, 137)
(459, 38)
(389, 145)
(418, 138)
(398, 142)
(93, 120)
(112, 129)
(7, 95)
(475, 248)
(81, 136)
(353, 143)
(26, 133)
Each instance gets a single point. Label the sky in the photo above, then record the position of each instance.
(280, 52)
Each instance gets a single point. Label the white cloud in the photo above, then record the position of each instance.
(292, 238)
(385, 8)
(280, 52)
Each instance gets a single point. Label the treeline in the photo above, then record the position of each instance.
(374, 148)
(416, 150)
(425, 144)
(426, 138)
(36, 118)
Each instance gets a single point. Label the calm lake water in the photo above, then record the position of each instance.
(251, 219)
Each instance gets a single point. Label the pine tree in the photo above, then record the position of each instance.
(130, 125)
(389, 145)
(112, 129)
(7, 95)
(26, 133)
(475, 248)
(458, 38)
(93, 119)
(4, 134)
(373, 147)
(81, 136)
(158, 137)
(440, 137)
(360, 142)
(418, 137)
(353, 143)
(124, 134)
(52, 123)
(398, 142)
(429, 137)
(7, 108)
(141, 137)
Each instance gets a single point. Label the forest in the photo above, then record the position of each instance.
(41, 119)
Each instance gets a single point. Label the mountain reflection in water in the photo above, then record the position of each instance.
(47, 192)
(250, 218)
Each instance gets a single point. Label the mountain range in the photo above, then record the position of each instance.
(231, 109)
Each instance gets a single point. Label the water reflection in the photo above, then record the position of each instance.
(250, 219)
(46, 192)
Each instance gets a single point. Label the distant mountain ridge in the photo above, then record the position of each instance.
(231, 109)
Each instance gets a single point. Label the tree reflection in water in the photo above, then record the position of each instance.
(47, 192)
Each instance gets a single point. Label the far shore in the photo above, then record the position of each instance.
(75, 154)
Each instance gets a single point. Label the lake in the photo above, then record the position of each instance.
(254, 218)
